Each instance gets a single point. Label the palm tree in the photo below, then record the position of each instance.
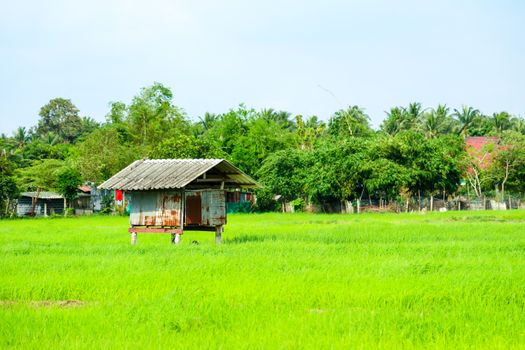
(21, 137)
(50, 138)
(309, 131)
(352, 122)
(501, 121)
(465, 117)
(436, 121)
(394, 120)
(280, 117)
(413, 116)
(208, 121)
(518, 124)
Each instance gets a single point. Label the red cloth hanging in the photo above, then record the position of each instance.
(118, 195)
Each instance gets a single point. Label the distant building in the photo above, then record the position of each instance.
(45, 203)
(83, 205)
(51, 203)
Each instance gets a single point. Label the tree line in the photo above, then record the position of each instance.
(415, 151)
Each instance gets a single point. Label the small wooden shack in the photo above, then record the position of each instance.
(173, 195)
(40, 204)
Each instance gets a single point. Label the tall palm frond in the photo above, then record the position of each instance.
(465, 117)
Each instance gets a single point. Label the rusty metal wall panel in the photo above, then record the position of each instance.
(214, 208)
(205, 207)
(155, 208)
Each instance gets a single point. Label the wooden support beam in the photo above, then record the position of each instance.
(176, 239)
(218, 234)
(154, 230)
(214, 180)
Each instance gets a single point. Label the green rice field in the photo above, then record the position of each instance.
(279, 281)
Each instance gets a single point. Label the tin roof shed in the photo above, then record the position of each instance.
(173, 195)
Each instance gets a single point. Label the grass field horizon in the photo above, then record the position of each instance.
(287, 281)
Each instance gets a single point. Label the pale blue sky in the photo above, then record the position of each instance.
(217, 54)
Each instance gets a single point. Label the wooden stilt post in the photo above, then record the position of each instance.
(177, 236)
(218, 234)
(133, 238)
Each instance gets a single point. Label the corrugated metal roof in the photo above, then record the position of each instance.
(85, 188)
(42, 195)
(156, 174)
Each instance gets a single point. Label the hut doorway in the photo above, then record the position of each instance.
(193, 209)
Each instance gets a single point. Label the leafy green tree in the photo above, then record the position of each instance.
(507, 169)
(152, 115)
(40, 176)
(421, 165)
(61, 117)
(37, 150)
(384, 177)
(336, 170)
(177, 146)
(8, 187)
(282, 173)
(103, 153)
(88, 126)
(444, 159)
(67, 183)
(245, 136)
(118, 113)
(228, 128)
(264, 135)
(117, 118)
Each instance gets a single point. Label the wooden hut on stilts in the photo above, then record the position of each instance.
(173, 195)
